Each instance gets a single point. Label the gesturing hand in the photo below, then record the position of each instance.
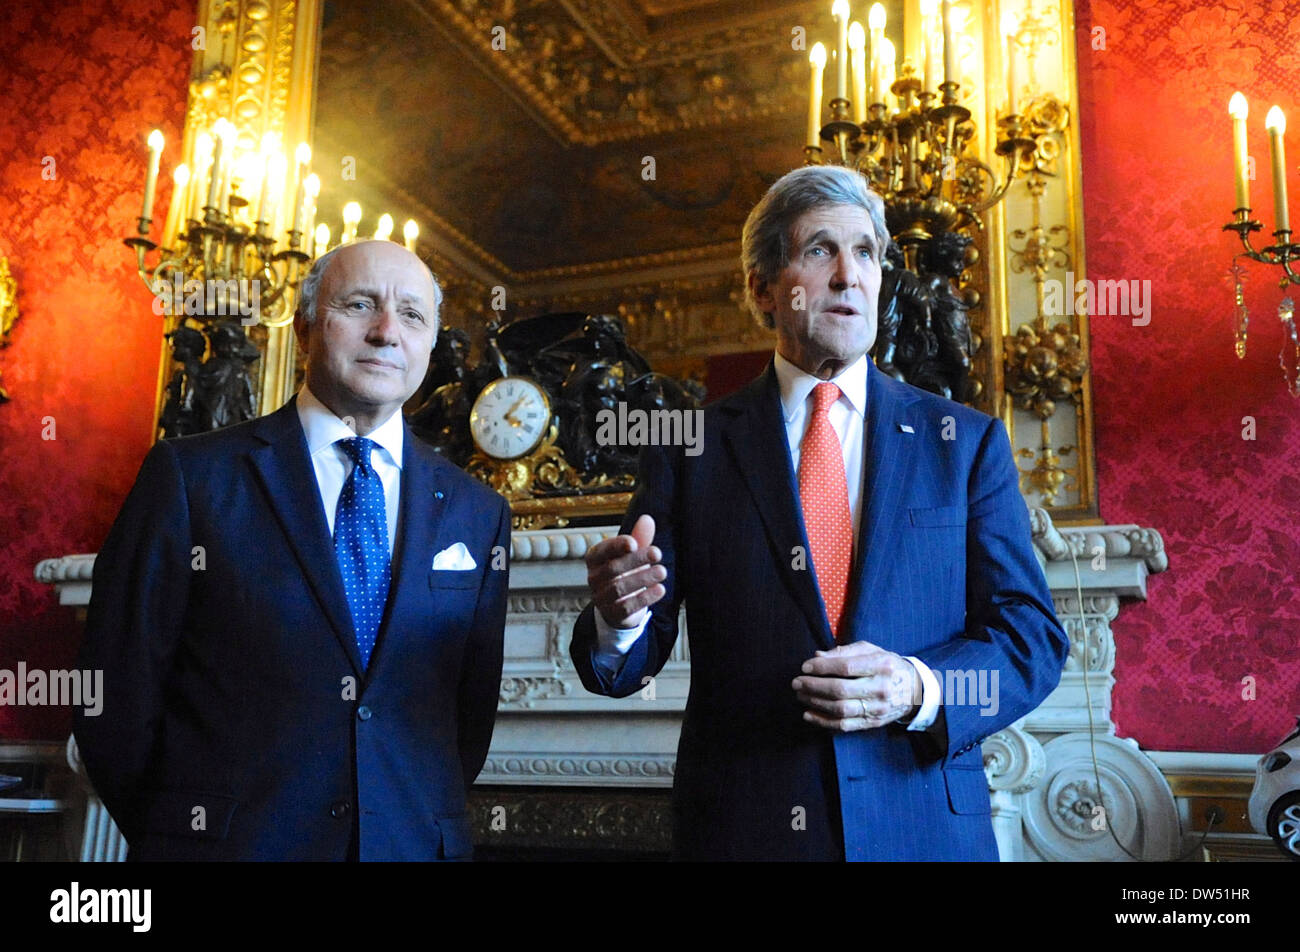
(623, 574)
(857, 687)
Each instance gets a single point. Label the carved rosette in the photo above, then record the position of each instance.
(1013, 760)
(1131, 815)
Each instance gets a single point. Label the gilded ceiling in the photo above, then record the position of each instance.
(528, 160)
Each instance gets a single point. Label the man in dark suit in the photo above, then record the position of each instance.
(300, 618)
(863, 598)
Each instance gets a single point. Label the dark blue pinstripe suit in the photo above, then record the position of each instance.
(945, 571)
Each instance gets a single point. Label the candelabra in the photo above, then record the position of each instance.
(1282, 252)
(917, 154)
(219, 272)
(918, 159)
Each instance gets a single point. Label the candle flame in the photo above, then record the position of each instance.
(181, 175)
(876, 17)
(857, 36)
(351, 213)
(1010, 24)
(156, 140)
(840, 9)
(1238, 108)
(818, 56)
(887, 53)
(322, 238)
(302, 153)
(384, 228)
(1275, 121)
(311, 185)
(223, 129)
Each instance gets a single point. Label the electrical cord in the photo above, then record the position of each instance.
(1213, 815)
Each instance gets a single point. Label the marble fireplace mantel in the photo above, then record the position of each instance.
(551, 733)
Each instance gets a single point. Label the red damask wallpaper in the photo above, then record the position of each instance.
(1155, 78)
(82, 83)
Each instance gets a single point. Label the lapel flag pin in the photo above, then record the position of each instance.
(905, 428)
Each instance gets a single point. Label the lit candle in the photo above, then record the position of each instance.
(277, 167)
(876, 22)
(303, 155)
(221, 130)
(949, 47)
(1009, 29)
(312, 190)
(1275, 123)
(151, 175)
(858, 60)
(928, 8)
(410, 232)
(887, 64)
(270, 143)
(1238, 108)
(176, 208)
(351, 218)
(384, 228)
(840, 11)
(199, 180)
(817, 62)
(321, 243)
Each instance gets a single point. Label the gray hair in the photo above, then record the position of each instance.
(765, 242)
(309, 289)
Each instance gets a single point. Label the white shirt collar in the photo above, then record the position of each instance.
(323, 428)
(797, 384)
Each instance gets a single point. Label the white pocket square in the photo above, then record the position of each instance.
(455, 558)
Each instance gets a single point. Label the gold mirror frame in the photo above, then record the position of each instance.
(682, 306)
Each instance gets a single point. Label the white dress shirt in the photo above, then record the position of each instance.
(848, 417)
(323, 430)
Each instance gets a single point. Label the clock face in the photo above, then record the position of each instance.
(510, 417)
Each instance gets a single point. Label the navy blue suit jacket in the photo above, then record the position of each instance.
(237, 721)
(945, 571)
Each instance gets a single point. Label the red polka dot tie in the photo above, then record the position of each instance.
(824, 493)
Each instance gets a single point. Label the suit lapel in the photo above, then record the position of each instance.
(889, 459)
(421, 527)
(285, 470)
(757, 440)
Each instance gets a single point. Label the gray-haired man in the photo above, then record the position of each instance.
(300, 618)
(845, 545)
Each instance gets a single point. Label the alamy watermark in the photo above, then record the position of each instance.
(633, 427)
(1104, 298)
(213, 297)
(57, 688)
(972, 687)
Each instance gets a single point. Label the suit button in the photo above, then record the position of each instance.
(364, 713)
(340, 809)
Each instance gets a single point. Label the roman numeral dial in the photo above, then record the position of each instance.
(510, 417)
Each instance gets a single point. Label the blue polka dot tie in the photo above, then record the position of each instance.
(361, 544)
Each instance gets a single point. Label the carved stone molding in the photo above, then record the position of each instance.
(544, 544)
(525, 692)
(568, 819)
(1133, 817)
(1013, 760)
(66, 568)
(578, 768)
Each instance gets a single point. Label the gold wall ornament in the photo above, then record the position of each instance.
(1045, 367)
(8, 313)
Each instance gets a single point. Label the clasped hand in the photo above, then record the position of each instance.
(858, 686)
